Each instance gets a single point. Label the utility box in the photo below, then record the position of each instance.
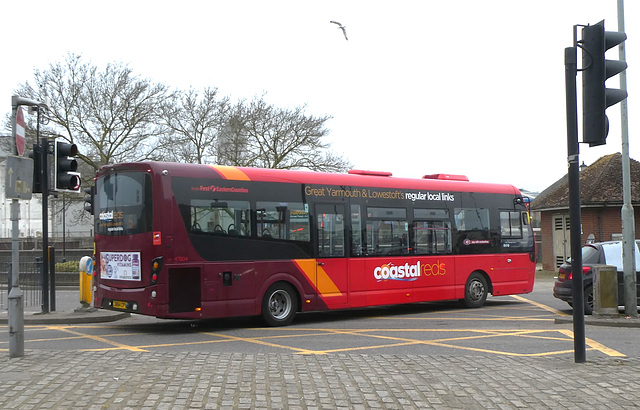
(605, 291)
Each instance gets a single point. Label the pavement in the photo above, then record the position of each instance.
(123, 379)
(69, 310)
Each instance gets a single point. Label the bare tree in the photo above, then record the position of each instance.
(259, 134)
(193, 123)
(234, 146)
(116, 116)
(111, 113)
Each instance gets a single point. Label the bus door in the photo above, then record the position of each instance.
(513, 270)
(331, 271)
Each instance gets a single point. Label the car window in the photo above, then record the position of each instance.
(590, 255)
(613, 254)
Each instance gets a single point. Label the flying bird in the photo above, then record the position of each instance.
(341, 27)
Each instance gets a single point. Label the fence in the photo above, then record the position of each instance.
(30, 282)
(31, 275)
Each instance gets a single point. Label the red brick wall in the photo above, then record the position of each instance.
(601, 222)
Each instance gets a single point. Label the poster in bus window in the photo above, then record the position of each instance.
(120, 265)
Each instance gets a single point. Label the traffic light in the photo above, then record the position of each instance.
(596, 98)
(37, 169)
(65, 175)
(89, 199)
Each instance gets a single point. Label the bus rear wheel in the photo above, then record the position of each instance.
(475, 290)
(279, 305)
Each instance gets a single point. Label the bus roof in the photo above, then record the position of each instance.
(434, 182)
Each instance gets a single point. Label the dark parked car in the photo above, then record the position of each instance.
(599, 253)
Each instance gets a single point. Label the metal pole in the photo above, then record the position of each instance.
(45, 218)
(16, 308)
(573, 150)
(64, 230)
(52, 271)
(627, 213)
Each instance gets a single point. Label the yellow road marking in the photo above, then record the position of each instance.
(540, 305)
(475, 319)
(260, 342)
(440, 342)
(98, 339)
(392, 341)
(595, 345)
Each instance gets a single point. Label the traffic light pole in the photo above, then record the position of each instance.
(45, 217)
(573, 151)
(45, 226)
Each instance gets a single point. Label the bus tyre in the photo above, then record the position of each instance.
(475, 291)
(279, 305)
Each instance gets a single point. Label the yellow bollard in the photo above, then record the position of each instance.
(86, 281)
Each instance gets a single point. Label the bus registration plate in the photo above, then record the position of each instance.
(118, 304)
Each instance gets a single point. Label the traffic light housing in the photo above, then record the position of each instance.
(89, 199)
(36, 156)
(596, 98)
(65, 175)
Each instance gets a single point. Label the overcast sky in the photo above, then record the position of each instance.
(462, 87)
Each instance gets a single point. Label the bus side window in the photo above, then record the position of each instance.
(330, 230)
(510, 224)
(356, 231)
(472, 220)
(387, 231)
(219, 217)
(279, 220)
(431, 231)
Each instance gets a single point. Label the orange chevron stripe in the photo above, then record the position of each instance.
(318, 277)
(231, 173)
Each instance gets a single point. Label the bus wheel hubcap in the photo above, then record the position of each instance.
(476, 290)
(280, 304)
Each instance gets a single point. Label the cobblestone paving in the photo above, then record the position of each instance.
(191, 380)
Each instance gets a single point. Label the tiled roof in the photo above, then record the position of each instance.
(600, 184)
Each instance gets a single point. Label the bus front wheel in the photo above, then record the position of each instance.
(279, 305)
(475, 290)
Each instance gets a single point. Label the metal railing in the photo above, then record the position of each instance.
(30, 281)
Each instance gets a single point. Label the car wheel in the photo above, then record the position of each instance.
(475, 290)
(279, 304)
(588, 300)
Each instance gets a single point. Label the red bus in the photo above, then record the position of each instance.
(204, 241)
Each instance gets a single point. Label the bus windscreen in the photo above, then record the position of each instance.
(123, 203)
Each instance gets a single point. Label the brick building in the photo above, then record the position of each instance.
(601, 205)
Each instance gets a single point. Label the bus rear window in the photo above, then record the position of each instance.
(123, 203)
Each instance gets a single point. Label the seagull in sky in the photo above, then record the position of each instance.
(341, 27)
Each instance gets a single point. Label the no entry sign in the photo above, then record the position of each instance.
(20, 127)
